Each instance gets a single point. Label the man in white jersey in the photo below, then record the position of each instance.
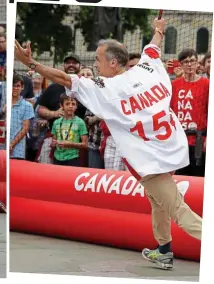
(135, 106)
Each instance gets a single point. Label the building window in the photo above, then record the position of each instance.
(170, 40)
(202, 40)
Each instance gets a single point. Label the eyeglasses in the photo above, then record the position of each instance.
(186, 62)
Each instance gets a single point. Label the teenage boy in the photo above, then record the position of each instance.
(190, 96)
(69, 134)
(21, 114)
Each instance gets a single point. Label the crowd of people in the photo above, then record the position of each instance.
(49, 127)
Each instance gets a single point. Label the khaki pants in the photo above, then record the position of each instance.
(167, 203)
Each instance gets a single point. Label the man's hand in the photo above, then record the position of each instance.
(23, 54)
(59, 113)
(159, 24)
(57, 76)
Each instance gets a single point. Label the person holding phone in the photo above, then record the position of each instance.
(174, 69)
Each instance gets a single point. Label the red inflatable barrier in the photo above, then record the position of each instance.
(2, 166)
(99, 226)
(92, 187)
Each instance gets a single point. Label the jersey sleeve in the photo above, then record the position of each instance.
(151, 53)
(88, 93)
(151, 56)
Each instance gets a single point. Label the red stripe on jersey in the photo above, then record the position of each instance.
(152, 53)
(132, 171)
(135, 174)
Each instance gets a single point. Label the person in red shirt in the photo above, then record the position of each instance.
(189, 101)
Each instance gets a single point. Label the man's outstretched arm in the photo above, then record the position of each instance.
(159, 26)
(54, 75)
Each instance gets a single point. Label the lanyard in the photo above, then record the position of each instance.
(69, 129)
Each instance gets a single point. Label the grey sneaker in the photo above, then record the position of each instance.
(163, 261)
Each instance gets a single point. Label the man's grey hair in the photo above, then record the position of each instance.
(115, 49)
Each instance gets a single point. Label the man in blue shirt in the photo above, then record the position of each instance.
(21, 114)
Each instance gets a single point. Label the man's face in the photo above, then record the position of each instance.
(207, 66)
(131, 63)
(69, 106)
(71, 66)
(189, 65)
(17, 88)
(37, 83)
(104, 67)
(2, 43)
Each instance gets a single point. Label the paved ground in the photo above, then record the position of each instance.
(2, 245)
(48, 255)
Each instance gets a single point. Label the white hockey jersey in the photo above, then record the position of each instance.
(135, 107)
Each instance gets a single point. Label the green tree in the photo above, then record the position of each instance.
(43, 25)
(130, 19)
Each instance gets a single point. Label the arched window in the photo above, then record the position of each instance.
(170, 40)
(202, 42)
